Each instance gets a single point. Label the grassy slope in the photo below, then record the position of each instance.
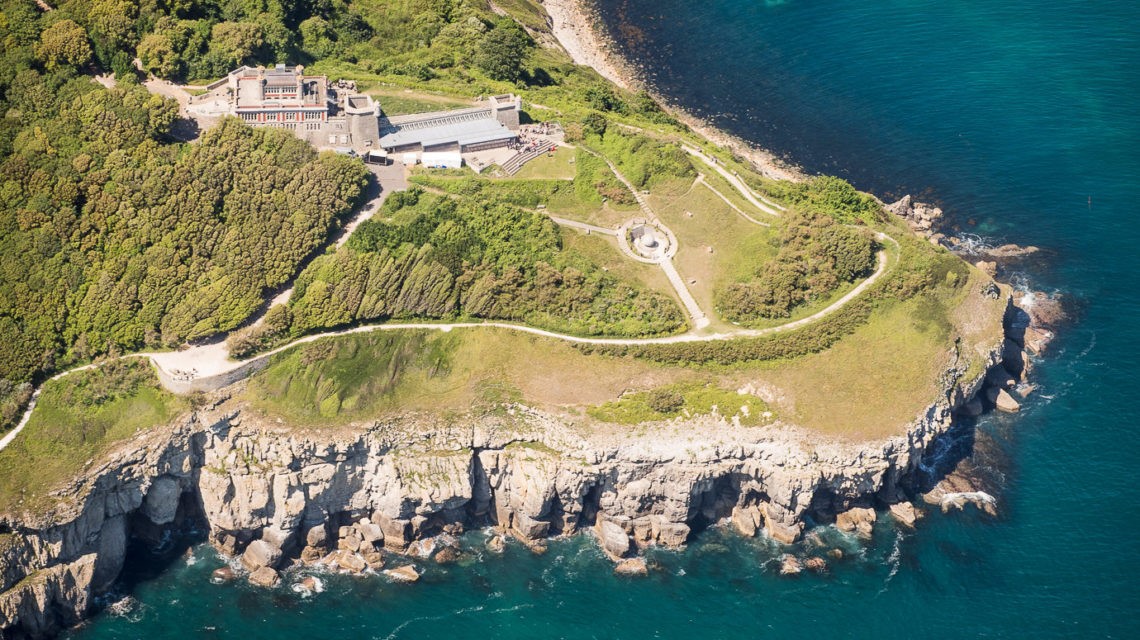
(77, 419)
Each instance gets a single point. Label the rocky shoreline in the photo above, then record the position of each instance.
(395, 492)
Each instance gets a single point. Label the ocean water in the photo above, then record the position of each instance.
(1021, 119)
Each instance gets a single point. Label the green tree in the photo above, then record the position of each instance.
(64, 43)
(236, 42)
(158, 57)
(502, 52)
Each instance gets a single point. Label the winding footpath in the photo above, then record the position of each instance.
(212, 360)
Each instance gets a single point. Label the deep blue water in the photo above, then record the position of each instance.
(1011, 115)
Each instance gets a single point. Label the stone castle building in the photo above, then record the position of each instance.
(284, 97)
(335, 115)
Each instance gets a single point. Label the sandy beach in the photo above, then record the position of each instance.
(574, 26)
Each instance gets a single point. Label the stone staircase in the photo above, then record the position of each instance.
(516, 162)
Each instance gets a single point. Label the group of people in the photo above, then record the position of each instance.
(183, 376)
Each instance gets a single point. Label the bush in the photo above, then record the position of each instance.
(665, 400)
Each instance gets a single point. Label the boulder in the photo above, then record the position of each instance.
(496, 544)
(375, 560)
(350, 542)
(161, 504)
(422, 549)
(789, 565)
(447, 555)
(397, 533)
(406, 573)
(781, 532)
(904, 513)
(1005, 402)
(672, 534)
(746, 520)
(857, 519)
(317, 536)
(351, 562)
(259, 554)
(264, 577)
(612, 537)
(835, 554)
(370, 534)
(530, 529)
(1037, 339)
(632, 567)
(816, 564)
(310, 555)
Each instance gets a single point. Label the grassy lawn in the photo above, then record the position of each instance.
(878, 379)
(395, 101)
(702, 221)
(77, 419)
(557, 166)
(337, 381)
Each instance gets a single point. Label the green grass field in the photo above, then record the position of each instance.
(79, 418)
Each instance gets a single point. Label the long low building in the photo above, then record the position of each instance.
(426, 136)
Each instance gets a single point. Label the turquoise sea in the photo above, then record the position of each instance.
(1020, 118)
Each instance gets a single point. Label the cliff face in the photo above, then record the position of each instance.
(529, 473)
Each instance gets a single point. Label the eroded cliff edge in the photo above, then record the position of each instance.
(532, 474)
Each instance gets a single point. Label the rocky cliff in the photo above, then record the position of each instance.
(277, 495)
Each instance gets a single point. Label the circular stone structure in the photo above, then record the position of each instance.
(648, 241)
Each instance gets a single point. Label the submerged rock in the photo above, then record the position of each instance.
(223, 574)
(496, 544)
(632, 567)
(406, 573)
(790, 566)
(816, 564)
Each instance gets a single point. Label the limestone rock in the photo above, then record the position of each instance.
(317, 536)
(904, 513)
(746, 520)
(370, 534)
(259, 554)
(612, 537)
(422, 549)
(264, 577)
(406, 573)
(790, 566)
(530, 529)
(1005, 402)
(374, 559)
(860, 520)
(1037, 340)
(161, 504)
(816, 564)
(447, 555)
(496, 544)
(632, 567)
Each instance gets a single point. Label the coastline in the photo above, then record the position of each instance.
(573, 25)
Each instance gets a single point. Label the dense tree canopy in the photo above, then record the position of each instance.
(439, 257)
(111, 239)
